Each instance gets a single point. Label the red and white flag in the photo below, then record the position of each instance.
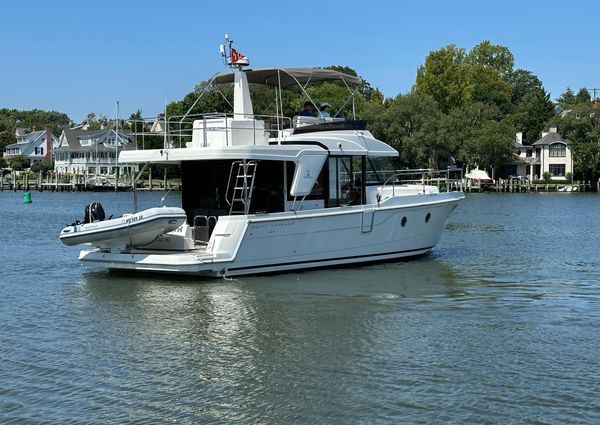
(236, 56)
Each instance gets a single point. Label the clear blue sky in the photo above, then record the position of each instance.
(81, 56)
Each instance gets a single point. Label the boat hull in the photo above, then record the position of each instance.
(130, 230)
(243, 245)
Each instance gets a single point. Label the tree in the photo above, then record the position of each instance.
(7, 133)
(409, 123)
(364, 88)
(567, 99)
(523, 82)
(212, 100)
(583, 96)
(492, 56)
(485, 84)
(443, 76)
(532, 114)
(44, 166)
(18, 162)
(459, 125)
(491, 145)
(547, 177)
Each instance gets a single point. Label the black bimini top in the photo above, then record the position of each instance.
(288, 77)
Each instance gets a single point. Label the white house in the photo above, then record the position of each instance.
(551, 153)
(92, 152)
(34, 147)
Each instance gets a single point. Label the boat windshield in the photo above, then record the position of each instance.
(379, 169)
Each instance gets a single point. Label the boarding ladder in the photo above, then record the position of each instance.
(243, 185)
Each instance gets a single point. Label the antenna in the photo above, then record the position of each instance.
(232, 58)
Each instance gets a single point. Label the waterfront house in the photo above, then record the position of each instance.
(523, 162)
(92, 152)
(551, 153)
(34, 147)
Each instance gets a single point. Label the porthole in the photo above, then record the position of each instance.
(427, 217)
(403, 221)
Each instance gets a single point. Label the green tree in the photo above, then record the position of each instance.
(491, 145)
(531, 115)
(44, 166)
(7, 133)
(547, 177)
(443, 76)
(18, 162)
(212, 100)
(135, 122)
(492, 56)
(409, 123)
(459, 125)
(583, 96)
(522, 83)
(364, 88)
(567, 99)
(485, 84)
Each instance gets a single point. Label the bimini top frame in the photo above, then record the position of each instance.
(288, 77)
(284, 78)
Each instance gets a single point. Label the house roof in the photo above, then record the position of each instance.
(518, 145)
(74, 136)
(550, 138)
(31, 136)
(33, 139)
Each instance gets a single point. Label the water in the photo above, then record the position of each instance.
(500, 324)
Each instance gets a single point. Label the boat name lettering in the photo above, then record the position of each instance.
(133, 219)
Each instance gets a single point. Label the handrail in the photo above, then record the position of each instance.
(424, 172)
(180, 127)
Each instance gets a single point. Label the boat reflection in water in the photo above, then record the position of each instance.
(231, 343)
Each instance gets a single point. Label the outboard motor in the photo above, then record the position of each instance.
(94, 212)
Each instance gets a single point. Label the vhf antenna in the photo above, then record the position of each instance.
(232, 58)
(226, 50)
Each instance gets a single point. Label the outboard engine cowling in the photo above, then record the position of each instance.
(94, 212)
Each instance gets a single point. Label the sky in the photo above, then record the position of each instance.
(83, 56)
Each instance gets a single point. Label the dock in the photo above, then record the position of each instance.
(55, 182)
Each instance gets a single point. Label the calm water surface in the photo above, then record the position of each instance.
(500, 324)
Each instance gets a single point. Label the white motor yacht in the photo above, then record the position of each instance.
(267, 194)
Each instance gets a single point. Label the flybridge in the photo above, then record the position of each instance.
(243, 127)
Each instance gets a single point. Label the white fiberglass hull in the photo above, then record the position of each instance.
(243, 245)
(129, 230)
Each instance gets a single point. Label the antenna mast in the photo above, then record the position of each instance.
(231, 57)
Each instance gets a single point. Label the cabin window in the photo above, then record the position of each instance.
(345, 180)
(557, 170)
(558, 150)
